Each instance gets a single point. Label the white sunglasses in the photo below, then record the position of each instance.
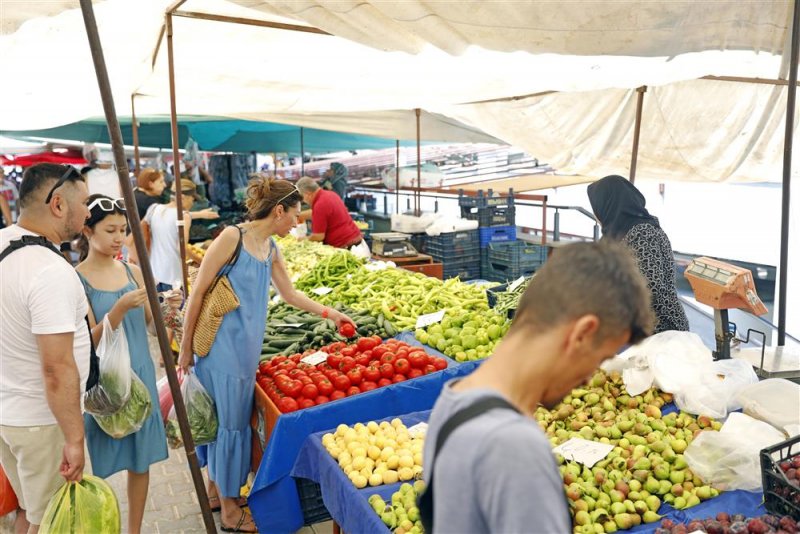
(107, 204)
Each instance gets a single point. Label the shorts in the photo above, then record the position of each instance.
(31, 457)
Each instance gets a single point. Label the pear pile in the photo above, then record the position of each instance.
(646, 467)
(376, 454)
(401, 515)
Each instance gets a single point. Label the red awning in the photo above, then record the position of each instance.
(74, 157)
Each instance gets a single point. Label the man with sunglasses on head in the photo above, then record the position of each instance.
(45, 346)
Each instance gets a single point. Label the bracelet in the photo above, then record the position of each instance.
(325, 312)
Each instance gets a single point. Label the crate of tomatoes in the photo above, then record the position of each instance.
(340, 370)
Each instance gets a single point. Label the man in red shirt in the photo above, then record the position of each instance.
(330, 221)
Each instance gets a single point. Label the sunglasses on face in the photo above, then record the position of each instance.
(70, 175)
(107, 204)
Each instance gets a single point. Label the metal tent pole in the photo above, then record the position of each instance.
(791, 97)
(302, 153)
(176, 155)
(397, 177)
(637, 126)
(115, 135)
(135, 127)
(417, 191)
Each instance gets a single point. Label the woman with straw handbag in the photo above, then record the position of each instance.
(240, 264)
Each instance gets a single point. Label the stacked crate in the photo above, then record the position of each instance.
(510, 260)
(458, 252)
(496, 216)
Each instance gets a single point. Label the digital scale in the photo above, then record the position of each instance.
(392, 245)
(723, 287)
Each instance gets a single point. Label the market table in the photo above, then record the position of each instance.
(347, 504)
(274, 500)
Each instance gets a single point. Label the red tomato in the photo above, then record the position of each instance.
(295, 357)
(334, 360)
(325, 387)
(362, 359)
(439, 363)
(429, 369)
(368, 385)
(348, 351)
(275, 373)
(417, 359)
(399, 378)
(305, 403)
(288, 365)
(347, 330)
(263, 366)
(339, 345)
(348, 363)
(305, 380)
(384, 382)
(388, 357)
(353, 390)
(295, 373)
(341, 382)
(379, 350)
(377, 339)
(295, 387)
(310, 391)
(402, 366)
(401, 353)
(263, 383)
(278, 359)
(366, 343)
(336, 395)
(414, 373)
(322, 399)
(372, 373)
(287, 404)
(369, 354)
(355, 376)
(387, 370)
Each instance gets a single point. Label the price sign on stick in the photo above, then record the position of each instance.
(429, 319)
(288, 325)
(516, 283)
(584, 451)
(321, 291)
(316, 358)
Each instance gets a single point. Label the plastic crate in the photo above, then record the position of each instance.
(781, 497)
(491, 215)
(498, 272)
(482, 200)
(491, 296)
(314, 510)
(517, 252)
(456, 252)
(464, 272)
(496, 234)
(453, 239)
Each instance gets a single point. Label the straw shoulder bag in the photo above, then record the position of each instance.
(218, 300)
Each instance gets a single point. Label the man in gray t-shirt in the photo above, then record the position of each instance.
(496, 472)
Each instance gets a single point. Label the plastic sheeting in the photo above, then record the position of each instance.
(273, 499)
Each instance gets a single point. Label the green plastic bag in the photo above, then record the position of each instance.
(83, 507)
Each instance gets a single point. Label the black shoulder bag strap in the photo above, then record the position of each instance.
(26, 240)
(425, 500)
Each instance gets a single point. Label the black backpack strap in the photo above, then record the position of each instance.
(27, 240)
(425, 500)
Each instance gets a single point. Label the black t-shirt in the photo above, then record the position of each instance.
(144, 201)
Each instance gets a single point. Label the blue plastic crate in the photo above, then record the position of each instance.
(457, 252)
(314, 510)
(483, 200)
(517, 252)
(497, 234)
(452, 243)
(464, 272)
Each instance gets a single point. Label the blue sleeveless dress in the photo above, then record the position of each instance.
(228, 372)
(139, 450)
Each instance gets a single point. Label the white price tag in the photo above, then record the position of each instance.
(584, 451)
(429, 319)
(420, 429)
(516, 283)
(276, 299)
(288, 325)
(314, 359)
(321, 291)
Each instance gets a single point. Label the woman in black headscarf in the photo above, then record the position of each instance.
(619, 207)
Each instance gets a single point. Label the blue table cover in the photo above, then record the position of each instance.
(348, 505)
(273, 500)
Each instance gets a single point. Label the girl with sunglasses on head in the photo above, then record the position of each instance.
(228, 372)
(116, 289)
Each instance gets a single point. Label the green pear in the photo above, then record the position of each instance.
(679, 503)
(677, 477)
(693, 500)
(661, 472)
(617, 508)
(680, 462)
(623, 521)
(653, 503)
(610, 526)
(650, 517)
(582, 518)
(703, 492)
(664, 487)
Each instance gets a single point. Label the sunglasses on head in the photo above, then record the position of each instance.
(70, 175)
(107, 204)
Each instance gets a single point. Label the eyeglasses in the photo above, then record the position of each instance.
(107, 204)
(69, 176)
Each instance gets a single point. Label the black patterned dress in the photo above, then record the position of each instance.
(656, 262)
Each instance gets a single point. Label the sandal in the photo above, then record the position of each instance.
(238, 527)
(241, 501)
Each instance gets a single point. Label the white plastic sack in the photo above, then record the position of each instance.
(112, 391)
(776, 401)
(716, 393)
(729, 459)
(411, 224)
(446, 225)
(361, 250)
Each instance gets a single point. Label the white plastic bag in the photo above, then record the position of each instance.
(776, 401)
(200, 410)
(114, 387)
(729, 459)
(715, 395)
(131, 417)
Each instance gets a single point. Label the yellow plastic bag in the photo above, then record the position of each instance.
(84, 507)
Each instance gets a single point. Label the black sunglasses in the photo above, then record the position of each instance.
(70, 175)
